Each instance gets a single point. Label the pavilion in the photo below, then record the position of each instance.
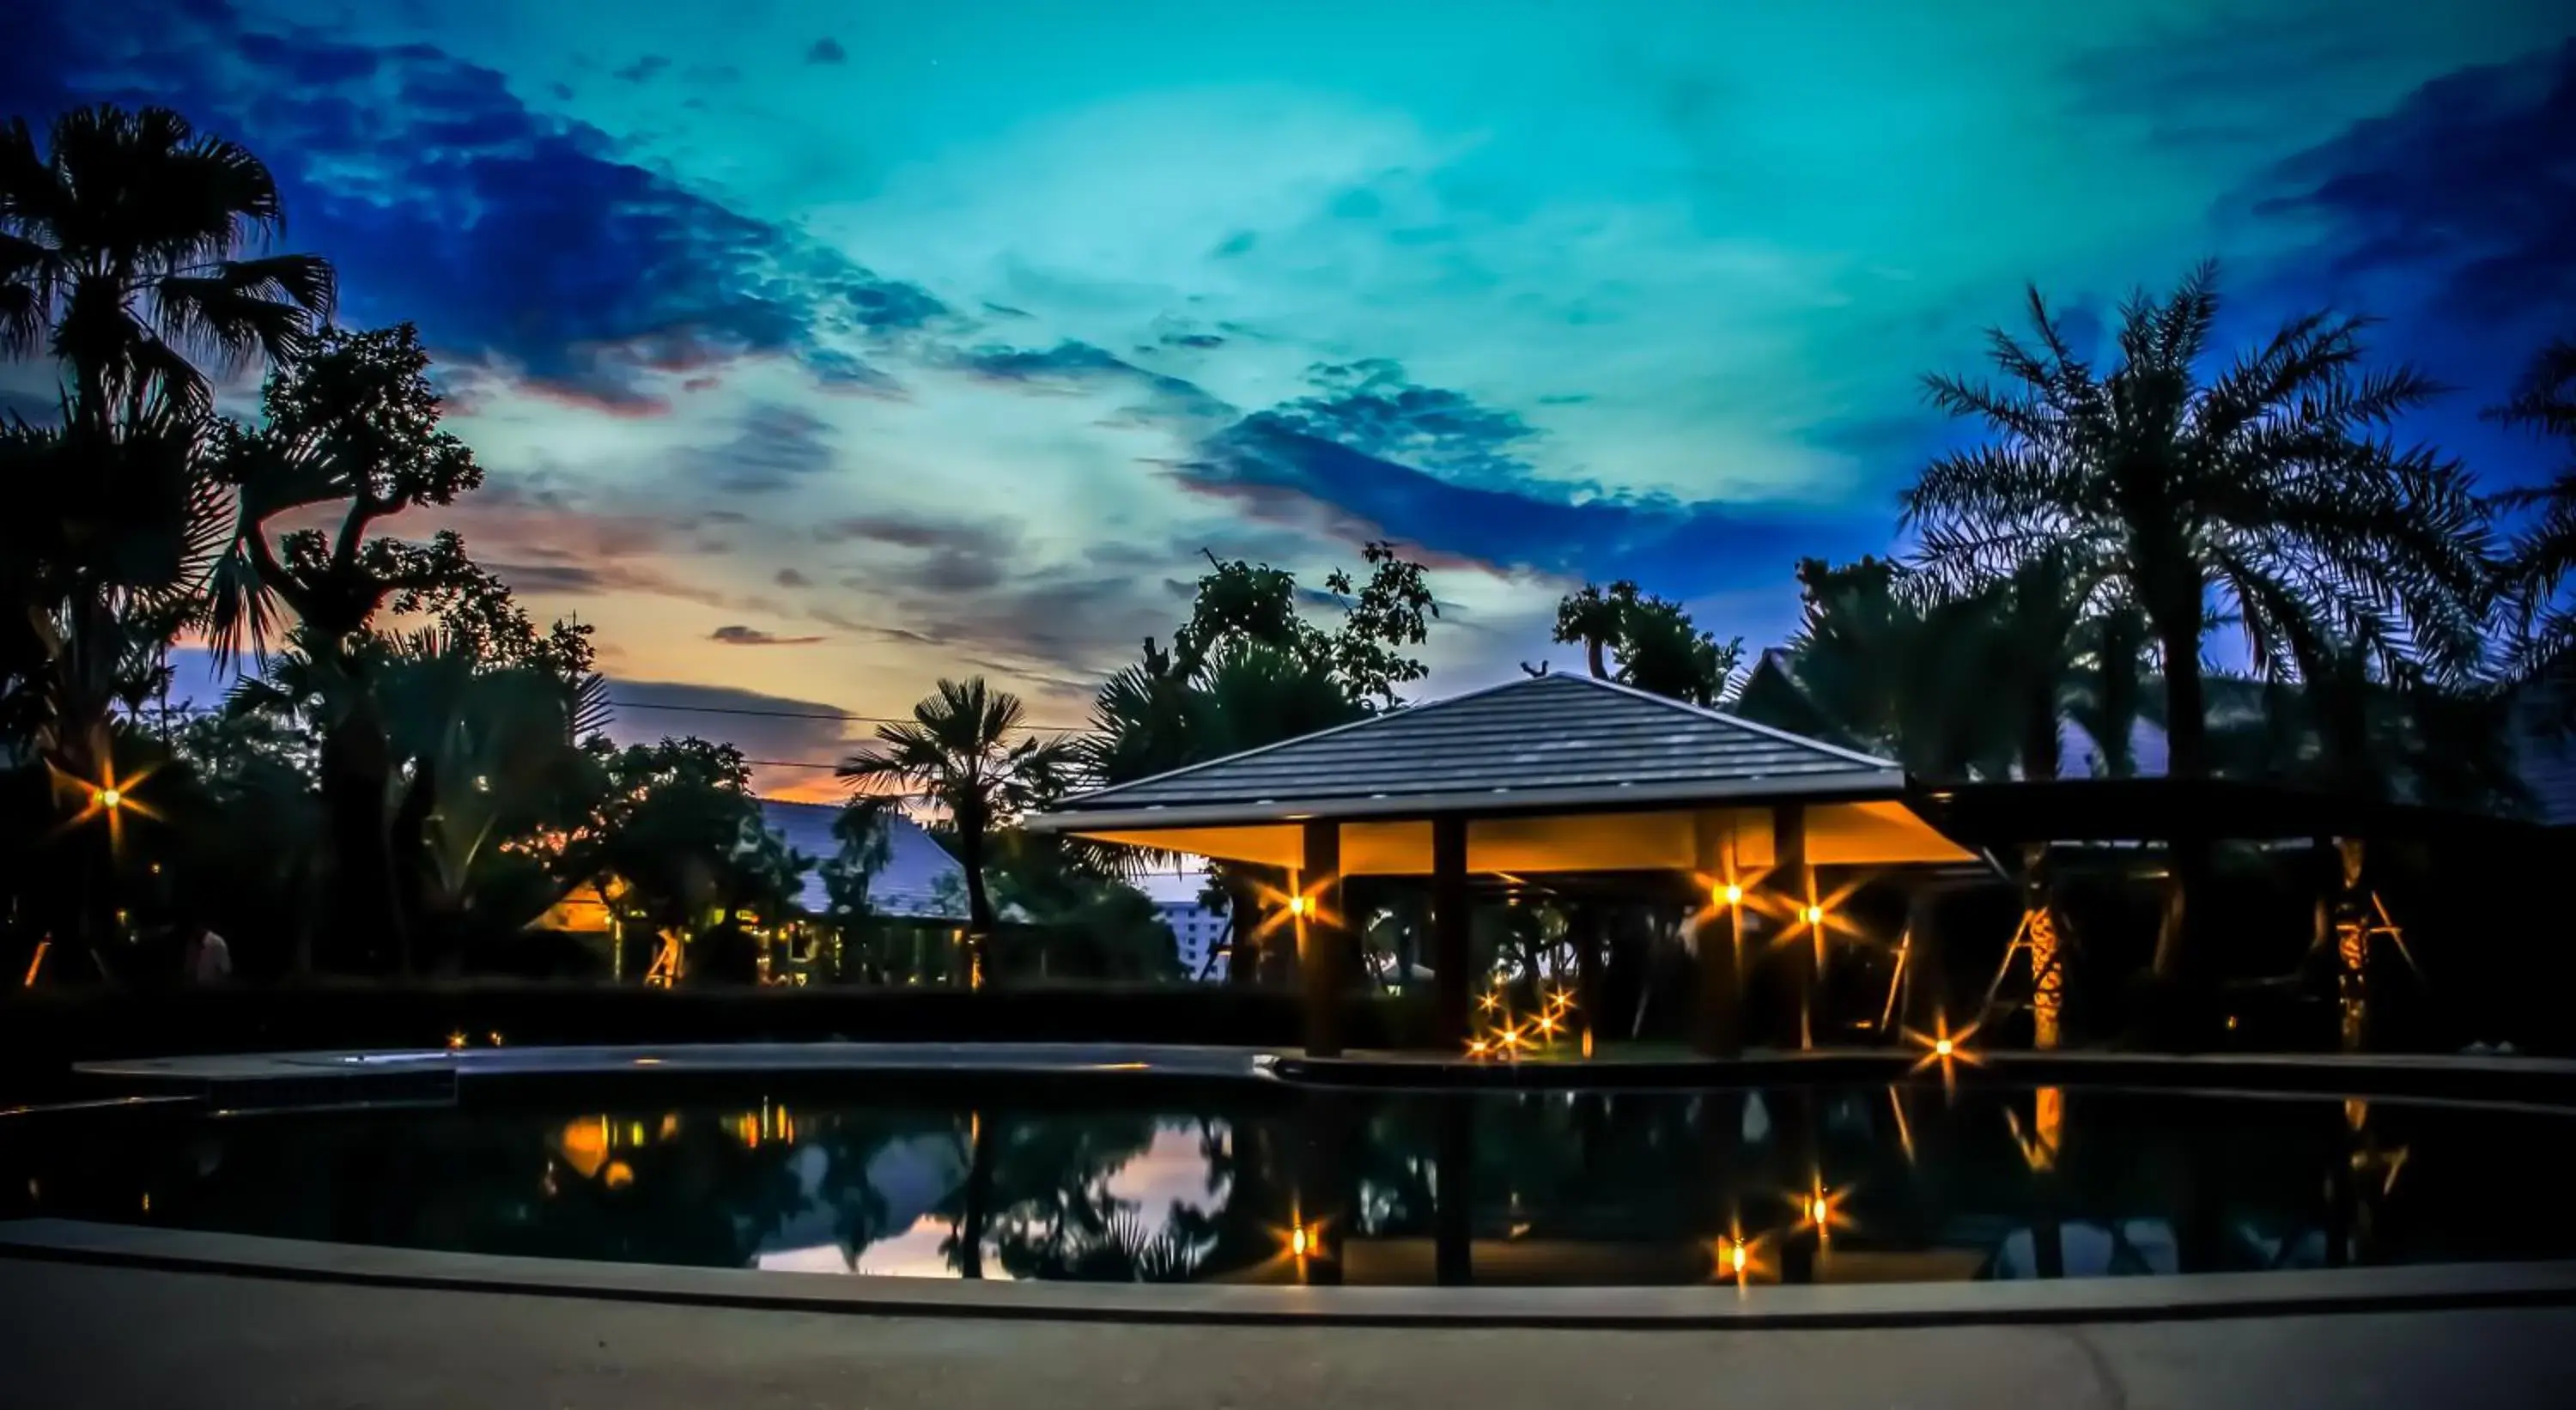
(1562, 778)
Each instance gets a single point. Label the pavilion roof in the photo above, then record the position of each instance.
(1541, 742)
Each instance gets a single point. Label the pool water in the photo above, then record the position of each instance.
(1135, 1181)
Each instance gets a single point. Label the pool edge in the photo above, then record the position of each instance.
(2094, 1300)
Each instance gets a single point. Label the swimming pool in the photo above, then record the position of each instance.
(1101, 1179)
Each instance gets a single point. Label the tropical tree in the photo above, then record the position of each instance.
(1650, 643)
(130, 253)
(132, 250)
(670, 820)
(2544, 552)
(354, 424)
(2273, 490)
(965, 751)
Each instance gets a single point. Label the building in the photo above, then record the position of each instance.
(919, 878)
(1197, 930)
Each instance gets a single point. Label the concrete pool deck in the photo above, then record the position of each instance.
(76, 1336)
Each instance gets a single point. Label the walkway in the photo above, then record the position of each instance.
(76, 1336)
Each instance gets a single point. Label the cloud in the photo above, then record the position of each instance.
(2466, 184)
(510, 235)
(735, 634)
(1372, 407)
(775, 446)
(1273, 469)
(642, 70)
(906, 532)
(800, 739)
(827, 50)
(2222, 81)
(1073, 367)
(790, 578)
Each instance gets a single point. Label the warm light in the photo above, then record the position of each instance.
(618, 1175)
(1546, 1023)
(1561, 1000)
(1729, 894)
(1735, 1258)
(1944, 1047)
(1819, 1212)
(1298, 1242)
(1490, 1001)
(455, 1041)
(111, 797)
(1475, 1047)
(495, 1037)
(1812, 915)
(1296, 905)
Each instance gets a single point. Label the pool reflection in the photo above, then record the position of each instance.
(1915, 1182)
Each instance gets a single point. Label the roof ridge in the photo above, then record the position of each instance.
(1402, 712)
(1738, 721)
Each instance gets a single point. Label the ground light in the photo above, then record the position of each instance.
(1944, 1047)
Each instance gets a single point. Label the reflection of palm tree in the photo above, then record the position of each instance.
(2271, 485)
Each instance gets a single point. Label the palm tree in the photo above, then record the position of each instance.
(122, 251)
(958, 753)
(2545, 551)
(2274, 488)
(1160, 714)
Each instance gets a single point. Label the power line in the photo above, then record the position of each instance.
(814, 715)
(192, 708)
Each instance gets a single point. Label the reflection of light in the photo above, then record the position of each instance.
(618, 1175)
(1820, 1209)
(1476, 1047)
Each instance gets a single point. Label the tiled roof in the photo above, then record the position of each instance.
(907, 886)
(1541, 737)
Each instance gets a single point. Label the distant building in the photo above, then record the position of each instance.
(1197, 930)
(1196, 933)
(910, 884)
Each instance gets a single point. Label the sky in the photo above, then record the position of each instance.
(815, 351)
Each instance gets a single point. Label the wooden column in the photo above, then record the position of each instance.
(1719, 1029)
(1451, 933)
(2352, 944)
(1793, 883)
(1585, 931)
(1322, 937)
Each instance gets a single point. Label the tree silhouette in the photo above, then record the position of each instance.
(960, 753)
(2272, 489)
(121, 254)
(2544, 553)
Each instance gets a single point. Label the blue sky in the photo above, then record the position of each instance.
(816, 350)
